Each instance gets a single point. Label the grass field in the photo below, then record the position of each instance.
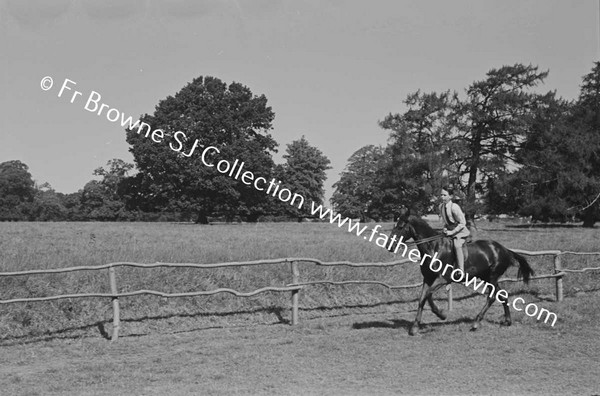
(352, 339)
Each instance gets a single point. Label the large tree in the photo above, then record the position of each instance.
(206, 112)
(560, 174)
(539, 186)
(357, 193)
(102, 199)
(16, 190)
(468, 142)
(587, 116)
(424, 150)
(47, 205)
(493, 122)
(304, 173)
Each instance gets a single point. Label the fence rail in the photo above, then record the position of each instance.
(294, 287)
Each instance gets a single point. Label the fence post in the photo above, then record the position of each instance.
(115, 302)
(450, 297)
(295, 279)
(559, 281)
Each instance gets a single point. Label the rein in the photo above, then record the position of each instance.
(433, 238)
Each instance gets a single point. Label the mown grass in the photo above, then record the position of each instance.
(26, 246)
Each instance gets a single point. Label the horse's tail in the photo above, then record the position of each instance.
(525, 270)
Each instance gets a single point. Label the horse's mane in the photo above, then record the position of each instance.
(421, 226)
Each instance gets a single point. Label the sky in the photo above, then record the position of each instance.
(331, 70)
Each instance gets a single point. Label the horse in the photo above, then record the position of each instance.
(484, 259)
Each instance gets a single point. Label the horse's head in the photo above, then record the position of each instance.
(403, 227)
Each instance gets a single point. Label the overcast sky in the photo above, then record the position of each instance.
(329, 69)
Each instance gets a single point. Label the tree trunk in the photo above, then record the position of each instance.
(202, 218)
(252, 218)
(589, 222)
(589, 218)
(471, 198)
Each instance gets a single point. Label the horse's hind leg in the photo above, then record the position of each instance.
(488, 304)
(434, 308)
(507, 319)
(490, 300)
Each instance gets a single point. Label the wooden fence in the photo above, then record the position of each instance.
(293, 287)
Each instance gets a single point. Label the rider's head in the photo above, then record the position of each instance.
(447, 194)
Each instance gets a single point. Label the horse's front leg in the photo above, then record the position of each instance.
(414, 329)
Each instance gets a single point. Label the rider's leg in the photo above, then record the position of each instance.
(460, 257)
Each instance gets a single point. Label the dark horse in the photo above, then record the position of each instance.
(484, 259)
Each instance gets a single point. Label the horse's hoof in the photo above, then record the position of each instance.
(506, 323)
(442, 315)
(414, 330)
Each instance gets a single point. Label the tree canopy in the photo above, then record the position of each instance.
(16, 190)
(204, 113)
(304, 173)
(424, 149)
(357, 194)
(467, 142)
(560, 174)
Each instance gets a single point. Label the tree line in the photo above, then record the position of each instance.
(167, 184)
(506, 147)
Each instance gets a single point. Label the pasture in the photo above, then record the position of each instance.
(351, 339)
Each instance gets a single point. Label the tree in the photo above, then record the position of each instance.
(537, 187)
(587, 116)
(102, 200)
(16, 190)
(47, 205)
(72, 204)
(204, 113)
(493, 122)
(304, 174)
(117, 171)
(560, 177)
(468, 142)
(424, 151)
(356, 193)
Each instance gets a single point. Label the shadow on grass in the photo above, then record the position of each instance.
(102, 326)
(61, 334)
(544, 225)
(406, 324)
(105, 326)
(378, 324)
